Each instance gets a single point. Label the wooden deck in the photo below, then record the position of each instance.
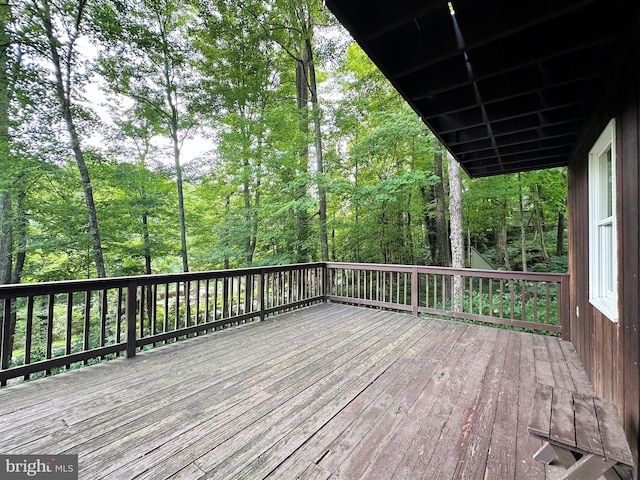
(329, 391)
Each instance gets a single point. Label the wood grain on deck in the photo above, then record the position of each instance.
(326, 392)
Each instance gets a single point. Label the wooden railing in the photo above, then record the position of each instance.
(536, 301)
(62, 324)
(59, 325)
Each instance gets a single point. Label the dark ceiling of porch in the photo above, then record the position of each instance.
(506, 85)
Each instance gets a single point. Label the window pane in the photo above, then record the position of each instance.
(606, 259)
(609, 180)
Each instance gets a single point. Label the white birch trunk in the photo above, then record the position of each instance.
(456, 232)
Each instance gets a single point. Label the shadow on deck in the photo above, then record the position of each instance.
(329, 391)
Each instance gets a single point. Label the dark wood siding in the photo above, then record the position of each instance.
(610, 351)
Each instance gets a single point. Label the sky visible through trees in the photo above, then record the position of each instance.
(154, 136)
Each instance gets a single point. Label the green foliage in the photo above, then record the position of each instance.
(254, 197)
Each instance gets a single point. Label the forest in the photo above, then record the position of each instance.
(157, 136)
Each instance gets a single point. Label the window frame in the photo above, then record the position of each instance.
(603, 232)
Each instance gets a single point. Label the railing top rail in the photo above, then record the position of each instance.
(468, 272)
(47, 288)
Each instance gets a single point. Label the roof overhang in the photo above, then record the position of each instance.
(506, 85)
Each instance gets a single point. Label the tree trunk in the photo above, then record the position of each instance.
(560, 235)
(250, 211)
(501, 241)
(539, 225)
(6, 214)
(443, 251)
(6, 238)
(7, 325)
(145, 237)
(176, 158)
(356, 208)
(410, 255)
(383, 230)
(302, 93)
(64, 98)
(322, 192)
(429, 224)
(147, 257)
(248, 218)
(333, 243)
(457, 234)
(523, 229)
(20, 232)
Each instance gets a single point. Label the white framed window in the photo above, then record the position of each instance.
(603, 244)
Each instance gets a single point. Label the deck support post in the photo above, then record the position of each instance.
(130, 313)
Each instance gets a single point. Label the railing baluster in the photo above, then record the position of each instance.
(435, 291)
(535, 302)
(165, 320)
(480, 296)
(87, 322)
(501, 298)
(6, 350)
(187, 303)
(261, 296)
(232, 298)
(287, 286)
(512, 298)
(548, 303)
(215, 300)
(197, 319)
(141, 312)
(154, 308)
(206, 303)
(523, 299)
(103, 318)
(50, 304)
(415, 291)
(397, 286)
(28, 334)
(426, 290)
(352, 283)
(491, 297)
(119, 318)
(69, 327)
(177, 302)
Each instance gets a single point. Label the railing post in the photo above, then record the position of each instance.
(130, 313)
(415, 291)
(261, 295)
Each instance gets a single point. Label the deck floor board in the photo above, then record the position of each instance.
(326, 392)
